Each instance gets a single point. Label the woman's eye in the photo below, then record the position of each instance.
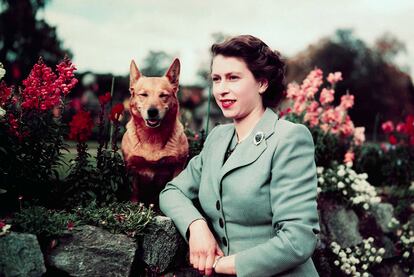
(233, 77)
(215, 79)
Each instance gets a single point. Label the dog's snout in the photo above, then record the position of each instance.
(152, 112)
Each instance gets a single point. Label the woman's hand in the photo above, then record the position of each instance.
(203, 247)
(226, 265)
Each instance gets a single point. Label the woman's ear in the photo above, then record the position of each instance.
(263, 85)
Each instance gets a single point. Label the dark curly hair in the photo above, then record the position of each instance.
(263, 62)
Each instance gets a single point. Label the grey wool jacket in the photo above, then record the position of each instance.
(261, 203)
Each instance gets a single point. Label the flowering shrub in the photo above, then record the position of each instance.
(402, 133)
(332, 128)
(343, 183)
(356, 260)
(406, 247)
(31, 134)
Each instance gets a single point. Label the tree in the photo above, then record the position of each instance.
(156, 63)
(24, 37)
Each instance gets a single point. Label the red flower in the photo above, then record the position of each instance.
(81, 126)
(43, 89)
(116, 112)
(387, 126)
(409, 124)
(5, 93)
(104, 99)
(392, 139)
(2, 224)
(70, 225)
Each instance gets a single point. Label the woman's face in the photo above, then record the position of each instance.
(235, 89)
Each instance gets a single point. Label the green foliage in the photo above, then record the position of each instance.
(28, 166)
(195, 142)
(43, 222)
(127, 218)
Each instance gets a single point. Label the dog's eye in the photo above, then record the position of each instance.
(164, 96)
(143, 94)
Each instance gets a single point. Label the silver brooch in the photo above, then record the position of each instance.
(258, 138)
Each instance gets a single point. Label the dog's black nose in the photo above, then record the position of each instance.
(152, 113)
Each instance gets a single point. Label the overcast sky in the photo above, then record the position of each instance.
(105, 35)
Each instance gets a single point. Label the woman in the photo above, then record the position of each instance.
(255, 179)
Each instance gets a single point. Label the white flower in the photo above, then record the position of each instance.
(321, 180)
(364, 266)
(336, 262)
(341, 185)
(371, 258)
(318, 190)
(349, 164)
(344, 192)
(2, 112)
(406, 254)
(341, 172)
(381, 251)
(2, 71)
(365, 274)
(365, 206)
(319, 169)
(378, 259)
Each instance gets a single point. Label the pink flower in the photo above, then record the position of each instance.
(327, 96)
(347, 128)
(312, 83)
(333, 78)
(347, 101)
(387, 126)
(359, 135)
(400, 127)
(70, 225)
(349, 156)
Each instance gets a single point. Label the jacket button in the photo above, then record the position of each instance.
(221, 222)
(224, 241)
(218, 205)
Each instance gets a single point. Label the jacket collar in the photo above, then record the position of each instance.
(248, 151)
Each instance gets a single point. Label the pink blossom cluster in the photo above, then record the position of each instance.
(43, 89)
(320, 112)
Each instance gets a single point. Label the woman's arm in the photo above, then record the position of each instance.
(293, 199)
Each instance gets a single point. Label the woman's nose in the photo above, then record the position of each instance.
(222, 88)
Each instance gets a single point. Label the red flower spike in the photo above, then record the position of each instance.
(43, 89)
(81, 126)
(104, 99)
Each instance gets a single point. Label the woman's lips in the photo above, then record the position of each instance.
(227, 103)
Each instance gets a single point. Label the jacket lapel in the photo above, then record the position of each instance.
(246, 152)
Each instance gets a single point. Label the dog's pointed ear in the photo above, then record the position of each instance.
(134, 73)
(173, 73)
